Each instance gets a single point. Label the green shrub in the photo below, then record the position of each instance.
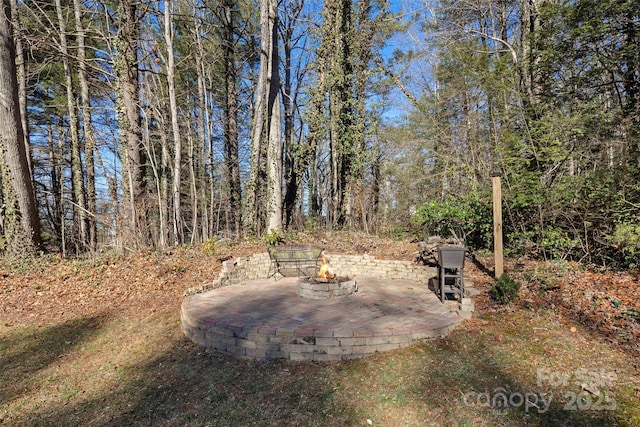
(556, 243)
(468, 218)
(273, 238)
(627, 238)
(210, 246)
(311, 224)
(505, 289)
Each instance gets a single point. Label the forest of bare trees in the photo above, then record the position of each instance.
(139, 123)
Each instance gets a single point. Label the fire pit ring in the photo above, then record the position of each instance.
(317, 288)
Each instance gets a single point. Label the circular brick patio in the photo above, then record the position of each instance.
(267, 319)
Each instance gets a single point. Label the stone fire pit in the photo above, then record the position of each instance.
(317, 288)
(247, 314)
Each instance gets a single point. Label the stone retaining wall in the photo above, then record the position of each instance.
(320, 345)
(258, 266)
(368, 265)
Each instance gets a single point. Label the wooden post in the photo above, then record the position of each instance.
(497, 224)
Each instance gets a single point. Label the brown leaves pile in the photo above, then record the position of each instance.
(62, 289)
(606, 302)
(52, 289)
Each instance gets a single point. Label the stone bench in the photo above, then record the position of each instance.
(294, 260)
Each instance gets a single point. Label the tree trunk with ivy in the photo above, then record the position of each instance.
(20, 224)
(253, 218)
(337, 40)
(274, 120)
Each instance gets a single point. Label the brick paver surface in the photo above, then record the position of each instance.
(266, 319)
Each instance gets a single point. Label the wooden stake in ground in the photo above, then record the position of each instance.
(497, 224)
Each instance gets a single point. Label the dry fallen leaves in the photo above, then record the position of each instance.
(606, 302)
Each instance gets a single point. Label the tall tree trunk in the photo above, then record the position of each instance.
(61, 165)
(364, 39)
(631, 81)
(55, 173)
(128, 116)
(90, 144)
(530, 25)
(292, 166)
(203, 120)
(161, 238)
(20, 225)
(372, 212)
(254, 190)
(274, 118)
(21, 66)
(163, 196)
(175, 127)
(314, 199)
(232, 164)
(155, 89)
(77, 169)
(195, 229)
(316, 135)
(336, 50)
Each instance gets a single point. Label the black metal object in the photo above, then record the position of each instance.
(450, 270)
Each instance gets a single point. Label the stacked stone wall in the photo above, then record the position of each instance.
(319, 345)
(368, 265)
(259, 266)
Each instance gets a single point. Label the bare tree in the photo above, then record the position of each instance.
(294, 34)
(266, 126)
(77, 169)
(177, 140)
(89, 139)
(128, 116)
